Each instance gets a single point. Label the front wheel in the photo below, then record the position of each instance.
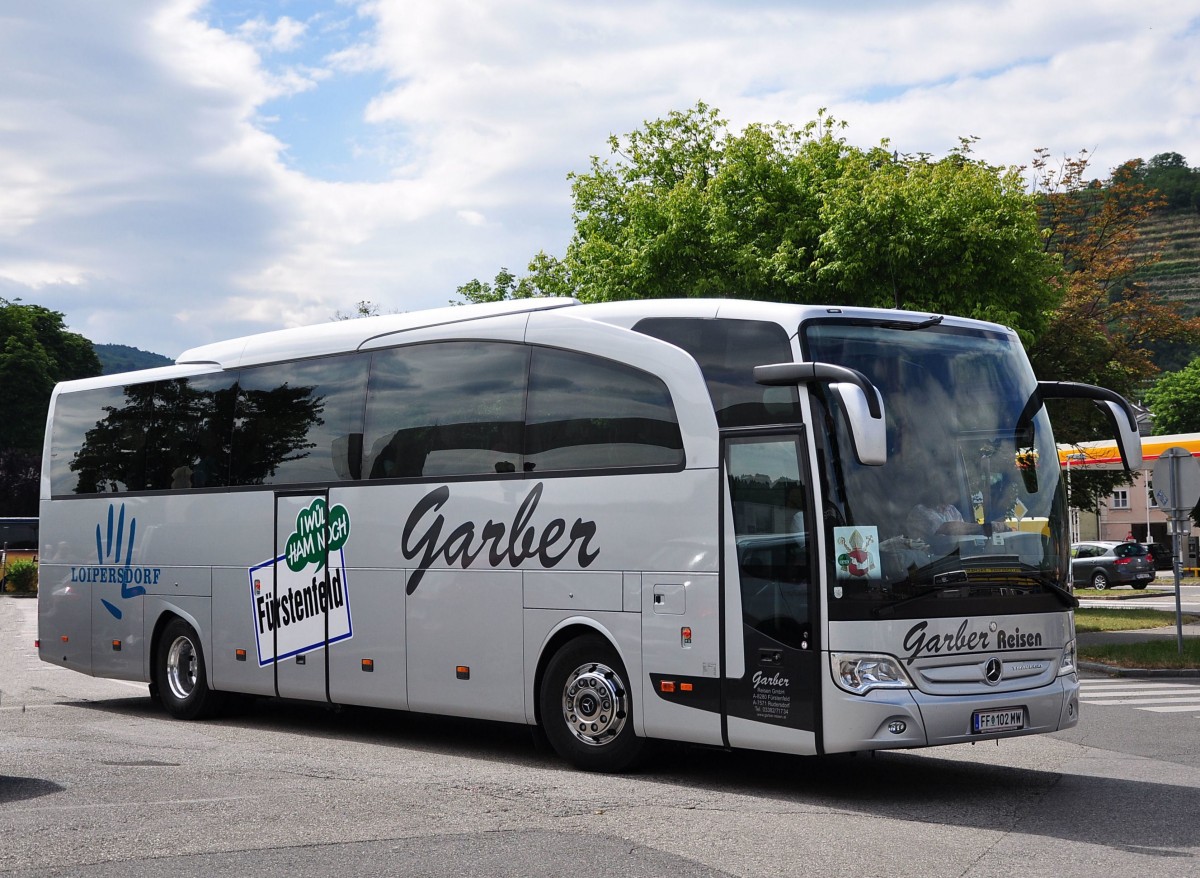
(180, 678)
(587, 707)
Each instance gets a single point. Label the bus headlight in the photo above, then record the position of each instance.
(859, 673)
(1068, 663)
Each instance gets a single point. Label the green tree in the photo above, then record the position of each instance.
(1175, 400)
(547, 277)
(362, 308)
(682, 207)
(19, 472)
(952, 236)
(1168, 174)
(36, 352)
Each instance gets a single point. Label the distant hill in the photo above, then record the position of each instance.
(122, 358)
(1174, 234)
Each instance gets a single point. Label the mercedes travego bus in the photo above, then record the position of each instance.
(790, 528)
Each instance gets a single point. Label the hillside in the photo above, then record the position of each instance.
(1175, 235)
(1176, 276)
(122, 358)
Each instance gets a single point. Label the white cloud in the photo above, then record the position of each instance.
(282, 35)
(156, 156)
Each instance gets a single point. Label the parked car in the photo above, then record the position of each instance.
(1105, 565)
(1162, 555)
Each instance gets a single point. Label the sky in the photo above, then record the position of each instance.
(175, 172)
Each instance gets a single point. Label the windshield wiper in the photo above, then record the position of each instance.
(958, 578)
(1068, 599)
(942, 582)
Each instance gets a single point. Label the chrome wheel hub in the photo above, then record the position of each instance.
(595, 704)
(181, 668)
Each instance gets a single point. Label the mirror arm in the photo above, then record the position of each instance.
(786, 374)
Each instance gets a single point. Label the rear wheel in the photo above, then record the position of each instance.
(180, 676)
(587, 708)
(1100, 580)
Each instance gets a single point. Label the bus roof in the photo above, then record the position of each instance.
(368, 332)
(349, 335)
(629, 311)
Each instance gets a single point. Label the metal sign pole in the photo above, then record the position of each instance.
(1177, 488)
(1177, 525)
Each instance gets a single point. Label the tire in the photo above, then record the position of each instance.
(1100, 580)
(180, 676)
(587, 707)
(1138, 586)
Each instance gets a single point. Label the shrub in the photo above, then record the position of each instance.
(22, 577)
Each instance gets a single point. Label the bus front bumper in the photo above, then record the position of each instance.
(885, 719)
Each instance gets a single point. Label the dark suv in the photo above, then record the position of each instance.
(1162, 555)
(1105, 565)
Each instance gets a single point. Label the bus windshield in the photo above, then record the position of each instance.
(968, 513)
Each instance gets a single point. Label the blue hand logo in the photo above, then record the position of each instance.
(108, 553)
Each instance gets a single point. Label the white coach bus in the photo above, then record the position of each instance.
(791, 528)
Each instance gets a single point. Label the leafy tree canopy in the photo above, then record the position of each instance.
(1169, 175)
(36, 352)
(683, 207)
(1175, 400)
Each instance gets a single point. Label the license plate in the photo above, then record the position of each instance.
(1144, 576)
(998, 720)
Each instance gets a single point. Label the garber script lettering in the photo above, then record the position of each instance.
(918, 643)
(515, 542)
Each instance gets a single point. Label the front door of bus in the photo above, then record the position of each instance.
(303, 624)
(772, 657)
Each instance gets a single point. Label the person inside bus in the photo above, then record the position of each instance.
(1000, 500)
(936, 521)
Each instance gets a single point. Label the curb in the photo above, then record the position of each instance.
(1114, 671)
(1137, 595)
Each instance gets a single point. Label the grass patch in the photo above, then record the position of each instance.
(1124, 619)
(1124, 593)
(1158, 654)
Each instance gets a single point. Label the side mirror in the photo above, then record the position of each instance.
(862, 402)
(1120, 414)
(1124, 424)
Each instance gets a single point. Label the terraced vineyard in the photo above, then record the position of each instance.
(1176, 276)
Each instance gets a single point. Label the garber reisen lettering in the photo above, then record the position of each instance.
(917, 642)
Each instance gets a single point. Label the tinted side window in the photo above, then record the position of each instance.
(728, 351)
(188, 427)
(452, 408)
(299, 422)
(143, 437)
(98, 440)
(586, 412)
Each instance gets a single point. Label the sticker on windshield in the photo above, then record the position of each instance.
(857, 550)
